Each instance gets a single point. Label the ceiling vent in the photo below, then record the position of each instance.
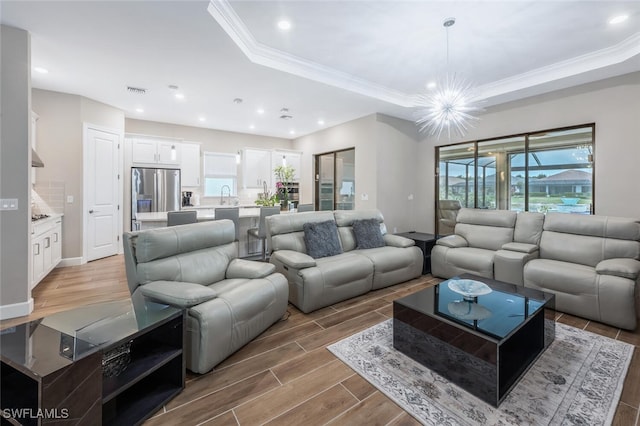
(286, 117)
(136, 90)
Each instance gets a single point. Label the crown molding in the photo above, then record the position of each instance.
(270, 57)
(261, 54)
(599, 59)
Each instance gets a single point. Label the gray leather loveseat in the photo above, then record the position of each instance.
(591, 263)
(228, 301)
(316, 282)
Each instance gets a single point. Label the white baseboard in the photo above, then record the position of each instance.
(71, 261)
(16, 309)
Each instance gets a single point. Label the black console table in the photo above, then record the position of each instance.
(111, 363)
(425, 242)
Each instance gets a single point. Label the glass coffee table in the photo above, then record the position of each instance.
(482, 335)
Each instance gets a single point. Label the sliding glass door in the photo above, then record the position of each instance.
(335, 180)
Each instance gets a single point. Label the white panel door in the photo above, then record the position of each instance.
(102, 179)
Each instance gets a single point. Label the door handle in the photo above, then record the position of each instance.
(91, 211)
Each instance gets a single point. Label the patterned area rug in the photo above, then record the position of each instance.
(577, 380)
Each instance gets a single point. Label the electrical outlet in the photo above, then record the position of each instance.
(410, 197)
(364, 197)
(9, 204)
(69, 199)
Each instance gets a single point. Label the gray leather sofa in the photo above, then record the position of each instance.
(592, 264)
(228, 301)
(319, 282)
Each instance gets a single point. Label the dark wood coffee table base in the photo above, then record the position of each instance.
(486, 365)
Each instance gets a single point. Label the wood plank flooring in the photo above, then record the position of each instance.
(286, 376)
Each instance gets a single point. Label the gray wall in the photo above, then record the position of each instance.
(60, 146)
(386, 159)
(613, 105)
(15, 171)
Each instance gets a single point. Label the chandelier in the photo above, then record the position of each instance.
(449, 105)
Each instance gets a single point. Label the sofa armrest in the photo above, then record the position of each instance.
(520, 247)
(294, 259)
(241, 268)
(625, 268)
(398, 241)
(179, 294)
(452, 241)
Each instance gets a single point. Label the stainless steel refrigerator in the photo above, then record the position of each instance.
(153, 190)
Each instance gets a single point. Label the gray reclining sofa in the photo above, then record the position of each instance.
(318, 282)
(591, 263)
(228, 301)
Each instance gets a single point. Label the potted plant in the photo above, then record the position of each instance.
(285, 175)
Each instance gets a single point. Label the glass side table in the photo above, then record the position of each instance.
(116, 361)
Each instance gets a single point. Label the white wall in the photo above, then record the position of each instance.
(613, 105)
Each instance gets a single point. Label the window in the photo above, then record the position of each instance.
(540, 172)
(220, 171)
(336, 180)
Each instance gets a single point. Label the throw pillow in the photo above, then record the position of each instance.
(321, 239)
(368, 234)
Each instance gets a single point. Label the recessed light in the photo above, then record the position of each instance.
(260, 111)
(252, 127)
(431, 85)
(201, 118)
(618, 19)
(41, 70)
(179, 95)
(284, 25)
(321, 122)
(292, 132)
(139, 110)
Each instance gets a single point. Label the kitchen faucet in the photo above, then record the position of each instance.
(222, 194)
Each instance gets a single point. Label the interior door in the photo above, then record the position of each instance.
(102, 196)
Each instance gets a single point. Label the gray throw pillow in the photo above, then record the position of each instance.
(368, 234)
(321, 239)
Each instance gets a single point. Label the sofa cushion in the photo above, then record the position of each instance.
(471, 259)
(321, 239)
(241, 268)
(367, 233)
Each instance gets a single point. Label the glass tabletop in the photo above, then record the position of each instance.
(46, 345)
(495, 314)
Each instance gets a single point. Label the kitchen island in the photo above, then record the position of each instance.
(249, 218)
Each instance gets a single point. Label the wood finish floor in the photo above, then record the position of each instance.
(286, 376)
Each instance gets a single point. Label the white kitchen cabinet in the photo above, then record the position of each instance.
(256, 168)
(146, 151)
(190, 164)
(291, 158)
(46, 247)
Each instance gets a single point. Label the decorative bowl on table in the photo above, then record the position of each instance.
(467, 310)
(469, 288)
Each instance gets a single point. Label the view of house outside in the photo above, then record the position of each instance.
(558, 166)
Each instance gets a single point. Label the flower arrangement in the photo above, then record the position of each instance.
(285, 175)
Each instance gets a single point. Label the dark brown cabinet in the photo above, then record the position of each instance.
(114, 362)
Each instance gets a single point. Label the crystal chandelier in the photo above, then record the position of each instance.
(449, 105)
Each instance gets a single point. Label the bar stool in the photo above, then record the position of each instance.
(261, 231)
(305, 208)
(182, 217)
(231, 213)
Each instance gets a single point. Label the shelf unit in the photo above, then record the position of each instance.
(71, 383)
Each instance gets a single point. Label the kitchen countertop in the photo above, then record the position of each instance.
(246, 212)
(216, 206)
(37, 226)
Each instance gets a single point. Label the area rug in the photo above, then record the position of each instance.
(577, 380)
